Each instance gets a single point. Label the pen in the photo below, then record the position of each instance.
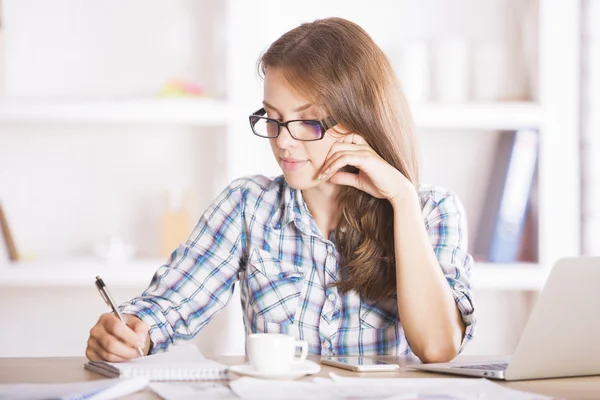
(111, 303)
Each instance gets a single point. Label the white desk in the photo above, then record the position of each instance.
(70, 369)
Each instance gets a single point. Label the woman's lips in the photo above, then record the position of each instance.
(290, 164)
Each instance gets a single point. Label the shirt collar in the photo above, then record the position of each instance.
(295, 210)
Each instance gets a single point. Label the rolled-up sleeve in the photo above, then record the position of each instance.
(198, 280)
(446, 223)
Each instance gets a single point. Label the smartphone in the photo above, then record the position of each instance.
(359, 364)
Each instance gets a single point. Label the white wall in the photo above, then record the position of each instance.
(51, 322)
(44, 322)
(590, 143)
(68, 187)
(88, 48)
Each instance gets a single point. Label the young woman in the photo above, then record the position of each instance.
(345, 250)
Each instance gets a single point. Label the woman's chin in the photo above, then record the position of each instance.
(301, 181)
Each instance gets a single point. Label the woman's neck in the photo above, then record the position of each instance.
(322, 204)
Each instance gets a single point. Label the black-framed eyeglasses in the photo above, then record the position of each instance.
(306, 130)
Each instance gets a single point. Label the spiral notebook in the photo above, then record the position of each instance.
(181, 363)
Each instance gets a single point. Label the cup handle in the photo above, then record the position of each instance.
(303, 344)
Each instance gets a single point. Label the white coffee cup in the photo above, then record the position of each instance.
(274, 352)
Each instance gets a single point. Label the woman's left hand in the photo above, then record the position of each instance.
(375, 176)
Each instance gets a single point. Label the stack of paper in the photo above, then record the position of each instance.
(104, 389)
(378, 388)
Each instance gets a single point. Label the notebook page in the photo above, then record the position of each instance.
(179, 363)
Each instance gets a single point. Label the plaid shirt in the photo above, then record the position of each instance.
(260, 233)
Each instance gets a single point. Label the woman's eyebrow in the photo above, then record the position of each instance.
(301, 108)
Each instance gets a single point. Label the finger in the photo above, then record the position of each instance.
(327, 169)
(138, 326)
(103, 334)
(356, 159)
(92, 355)
(109, 346)
(95, 352)
(345, 146)
(115, 327)
(95, 349)
(336, 148)
(345, 143)
(346, 179)
(354, 138)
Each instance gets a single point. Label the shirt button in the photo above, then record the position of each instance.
(331, 297)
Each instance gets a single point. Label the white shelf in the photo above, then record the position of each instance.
(484, 116)
(205, 111)
(140, 272)
(184, 111)
(79, 273)
(518, 276)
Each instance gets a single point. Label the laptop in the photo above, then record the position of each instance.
(562, 335)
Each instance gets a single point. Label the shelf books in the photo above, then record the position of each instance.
(500, 233)
(8, 250)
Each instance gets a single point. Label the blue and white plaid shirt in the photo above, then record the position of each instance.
(260, 234)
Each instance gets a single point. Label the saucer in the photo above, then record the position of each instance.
(296, 371)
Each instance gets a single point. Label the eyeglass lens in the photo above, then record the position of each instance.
(303, 130)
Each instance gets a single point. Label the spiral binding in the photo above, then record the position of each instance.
(176, 374)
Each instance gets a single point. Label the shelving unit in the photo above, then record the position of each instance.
(74, 162)
(74, 273)
(177, 111)
(554, 115)
(207, 112)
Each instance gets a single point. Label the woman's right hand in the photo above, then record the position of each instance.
(110, 340)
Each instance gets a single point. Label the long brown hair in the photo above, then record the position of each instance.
(336, 64)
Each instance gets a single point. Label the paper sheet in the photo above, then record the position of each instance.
(378, 388)
(193, 391)
(452, 388)
(103, 389)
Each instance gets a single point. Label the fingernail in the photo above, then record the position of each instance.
(320, 177)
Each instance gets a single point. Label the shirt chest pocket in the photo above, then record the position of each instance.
(273, 287)
(379, 315)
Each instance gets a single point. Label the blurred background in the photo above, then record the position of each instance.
(121, 121)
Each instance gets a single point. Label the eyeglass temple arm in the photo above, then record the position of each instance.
(330, 122)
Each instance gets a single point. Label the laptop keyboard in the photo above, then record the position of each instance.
(493, 367)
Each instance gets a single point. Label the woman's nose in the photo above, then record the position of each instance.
(285, 139)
